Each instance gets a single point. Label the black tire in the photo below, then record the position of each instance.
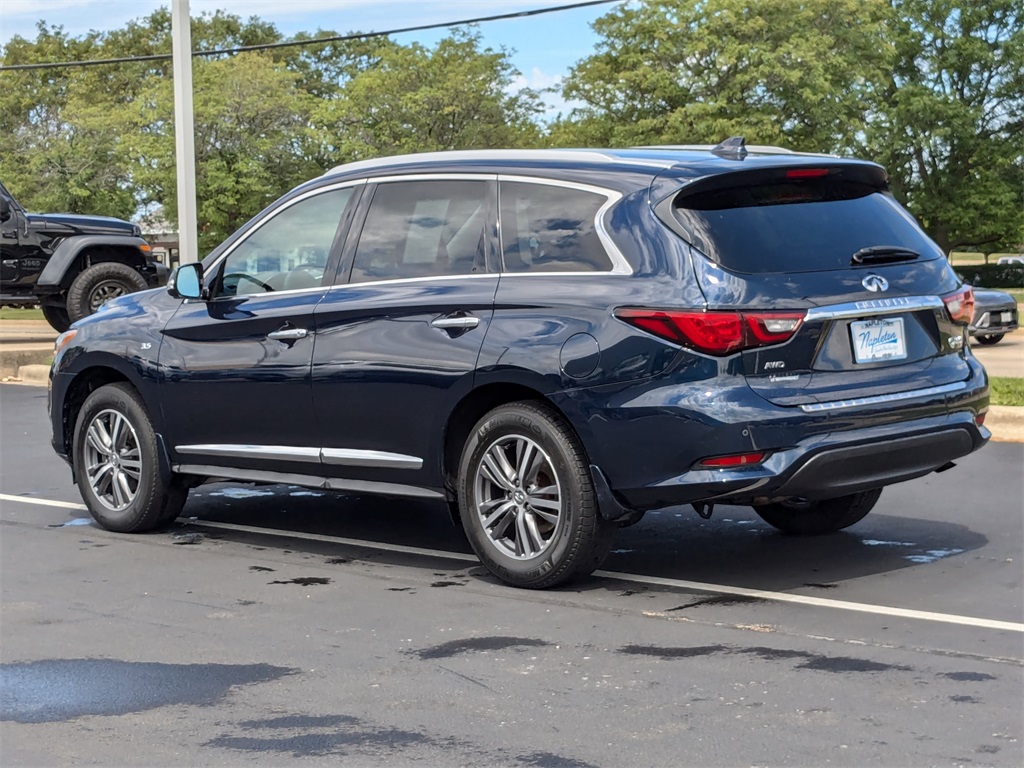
(580, 539)
(141, 503)
(100, 282)
(56, 316)
(990, 338)
(812, 518)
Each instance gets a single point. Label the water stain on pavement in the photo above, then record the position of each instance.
(965, 677)
(455, 647)
(814, 661)
(324, 735)
(305, 581)
(447, 583)
(56, 690)
(965, 699)
(73, 523)
(261, 568)
(551, 760)
(338, 560)
(717, 600)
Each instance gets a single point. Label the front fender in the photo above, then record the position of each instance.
(52, 277)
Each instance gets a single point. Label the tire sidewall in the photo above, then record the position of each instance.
(512, 421)
(78, 303)
(139, 513)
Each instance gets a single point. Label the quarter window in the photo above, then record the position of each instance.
(423, 229)
(546, 228)
(288, 251)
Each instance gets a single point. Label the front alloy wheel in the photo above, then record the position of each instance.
(113, 461)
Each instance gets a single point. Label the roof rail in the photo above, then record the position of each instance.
(761, 149)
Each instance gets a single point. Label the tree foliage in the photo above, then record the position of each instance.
(932, 89)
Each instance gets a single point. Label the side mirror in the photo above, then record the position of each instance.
(5, 208)
(186, 282)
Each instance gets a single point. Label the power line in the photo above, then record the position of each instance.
(313, 41)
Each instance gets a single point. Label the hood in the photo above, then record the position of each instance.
(70, 223)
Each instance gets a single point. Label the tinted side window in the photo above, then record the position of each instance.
(550, 229)
(288, 251)
(423, 229)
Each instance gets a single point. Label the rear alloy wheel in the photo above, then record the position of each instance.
(812, 518)
(100, 283)
(527, 500)
(117, 463)
(991, 338)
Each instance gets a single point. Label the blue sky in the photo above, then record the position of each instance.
(545, 46)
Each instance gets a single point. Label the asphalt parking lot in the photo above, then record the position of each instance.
(280, 625)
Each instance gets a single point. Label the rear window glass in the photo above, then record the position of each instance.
(797, 226)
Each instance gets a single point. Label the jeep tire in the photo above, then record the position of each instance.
(56, 316)
(101, 282)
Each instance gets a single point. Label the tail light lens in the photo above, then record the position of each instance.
(715, 333)
(960, 305)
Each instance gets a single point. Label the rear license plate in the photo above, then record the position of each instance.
(875, 340)
(1006, 317)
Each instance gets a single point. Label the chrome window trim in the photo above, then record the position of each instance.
(269, 452)
(404, 177)
(619, 264)
(353, 457)
(869, 307)
(859, 402)
(427, 279)
(304, 196)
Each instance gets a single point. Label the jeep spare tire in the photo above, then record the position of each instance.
(99, 283)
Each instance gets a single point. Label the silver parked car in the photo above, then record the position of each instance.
(995, 315)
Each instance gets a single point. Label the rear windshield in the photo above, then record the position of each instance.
(796, 226)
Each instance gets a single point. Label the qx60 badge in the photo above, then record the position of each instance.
(875, 283)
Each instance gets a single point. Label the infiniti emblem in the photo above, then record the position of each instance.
(875, 283)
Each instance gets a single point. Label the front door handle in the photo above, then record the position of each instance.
(288, 334)
(462, 323)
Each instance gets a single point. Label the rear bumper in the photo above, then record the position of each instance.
(826, 466)
(649, 445)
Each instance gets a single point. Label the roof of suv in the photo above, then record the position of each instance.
(649, 160)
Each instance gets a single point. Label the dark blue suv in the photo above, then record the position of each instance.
(552, 342)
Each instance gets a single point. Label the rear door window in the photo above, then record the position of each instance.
(423, 229)
(796, 226)
(546, 228)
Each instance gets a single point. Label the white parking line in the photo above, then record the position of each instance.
(635, 578)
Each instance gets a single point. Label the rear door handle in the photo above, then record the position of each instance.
(463, 323)
(288, 334)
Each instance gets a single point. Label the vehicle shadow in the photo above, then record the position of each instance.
(734, 548)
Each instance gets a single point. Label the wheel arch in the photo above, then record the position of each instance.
(469, 411)
(99, 371)
(77, 253)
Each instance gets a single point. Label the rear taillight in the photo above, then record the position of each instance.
(960, 305)
(732, 460)
(715, 333)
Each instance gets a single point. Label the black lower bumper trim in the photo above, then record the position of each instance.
(841, 471)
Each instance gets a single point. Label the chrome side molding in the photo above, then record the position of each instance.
(350, 457)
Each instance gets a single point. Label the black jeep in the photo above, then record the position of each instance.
(69, 264)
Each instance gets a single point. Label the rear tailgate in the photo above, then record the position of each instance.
(831, 241)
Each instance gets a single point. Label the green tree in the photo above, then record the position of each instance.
(249, 117)
(796, 73)
(454, 96)
(949, 125)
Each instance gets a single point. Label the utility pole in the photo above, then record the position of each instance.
(184, 131)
